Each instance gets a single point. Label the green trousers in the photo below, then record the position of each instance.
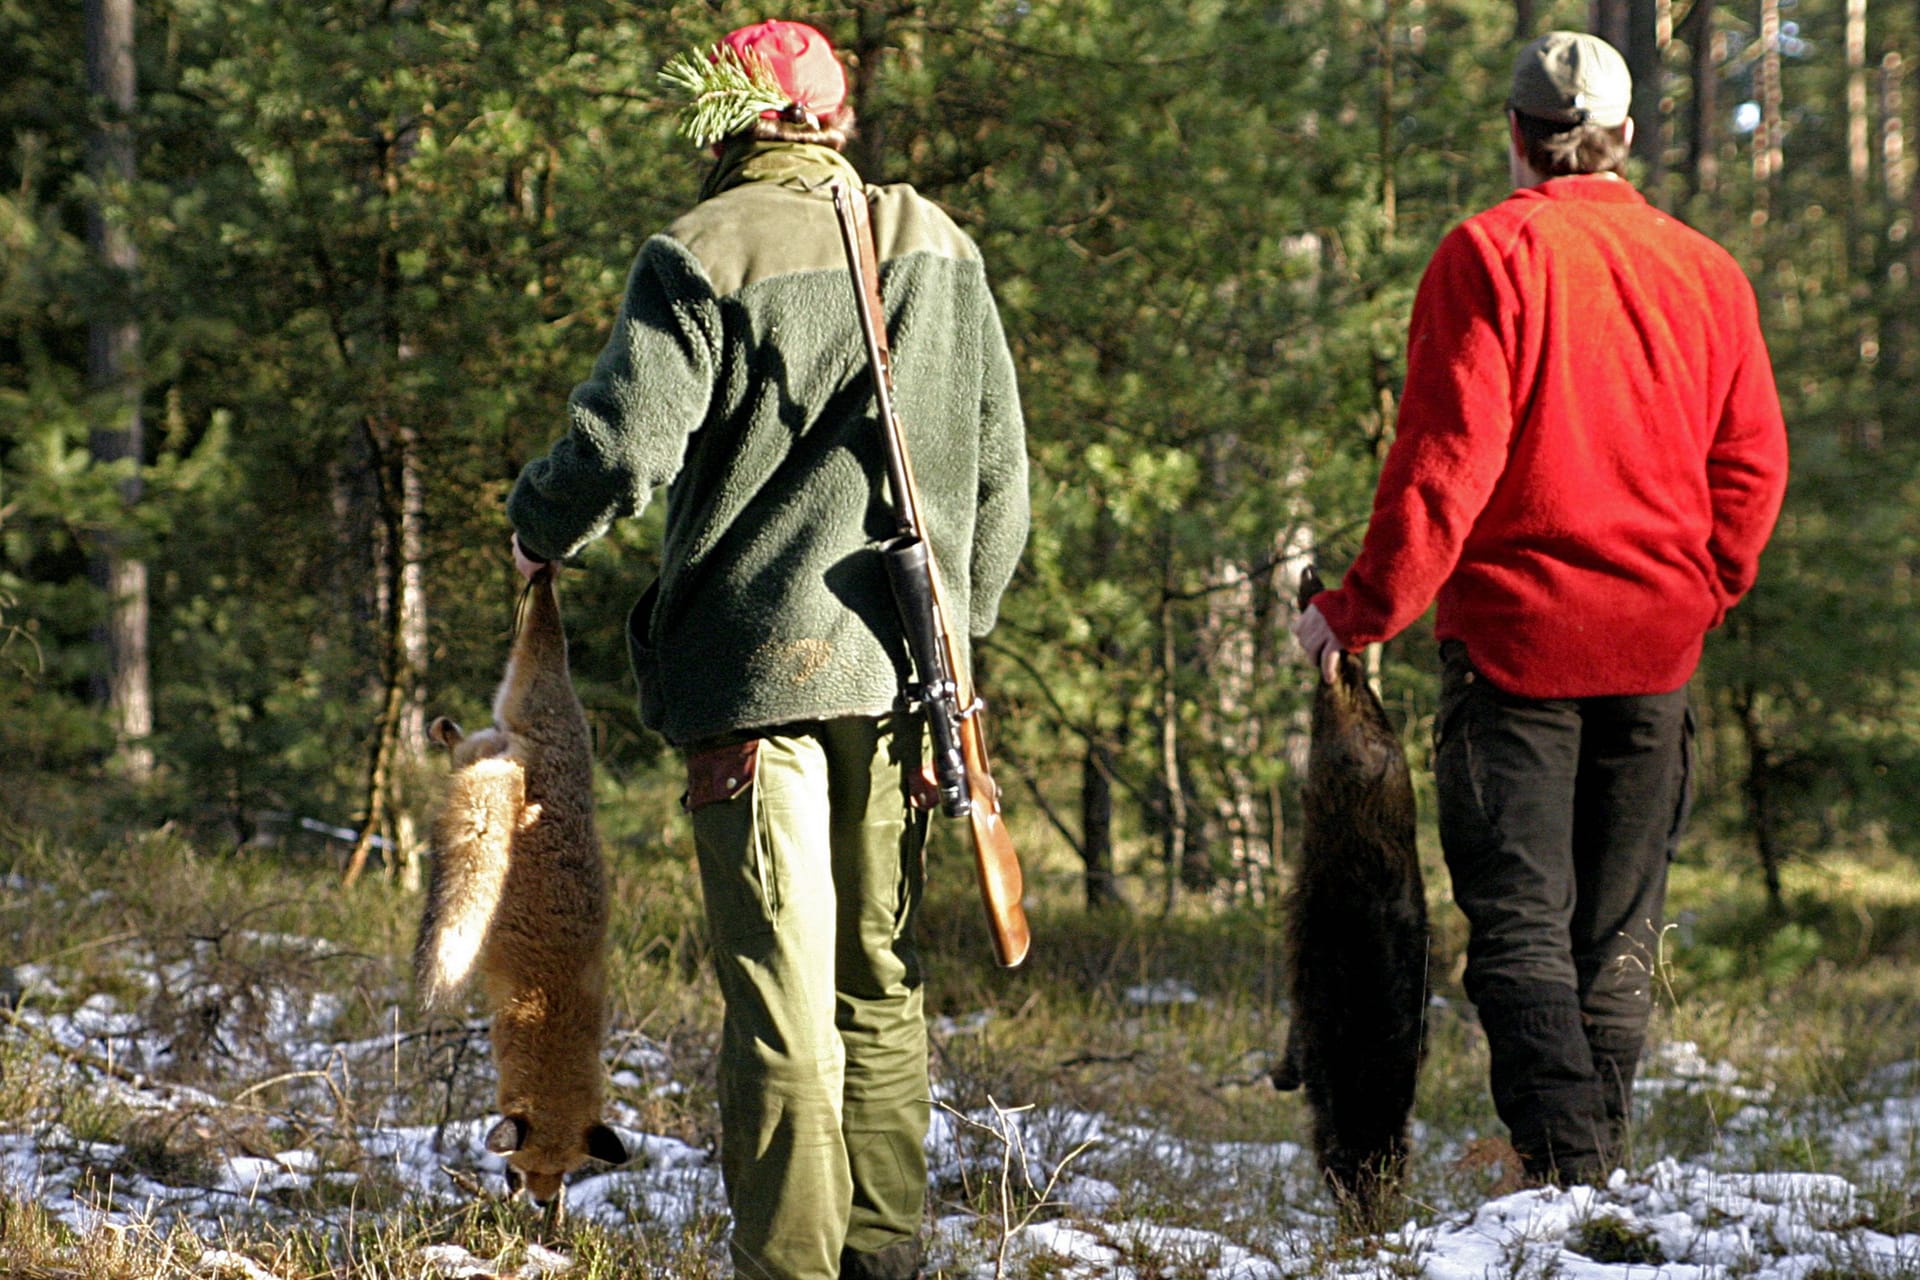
(812, 877)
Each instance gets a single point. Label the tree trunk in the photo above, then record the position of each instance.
(1857, 123)
(113, 345)
(1900, 178)
(1758, 786)
(873, 32)
(1704, 56)
(1893, 127)
(1095, 845)
(1639, 29)
(1612, 21)
(1232, 723)
(412, 732)
(1198, 874)
(1769, 139)
(1649, 31)
(1901, 365)
(1096, 826)
(1389, 194)
(1173, 833)
(1381, 367)
(402, 731)
(395, 441)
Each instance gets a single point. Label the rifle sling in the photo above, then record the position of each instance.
(910, 500)
(870, 282)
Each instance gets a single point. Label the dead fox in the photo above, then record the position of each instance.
(518, 892)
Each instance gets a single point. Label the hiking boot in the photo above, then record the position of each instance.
(898, 1261)
(1544, 1084)
(1616, 1057)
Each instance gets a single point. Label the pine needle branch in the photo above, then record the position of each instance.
(725, 93)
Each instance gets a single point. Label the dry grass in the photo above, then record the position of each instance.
(1807, 1010)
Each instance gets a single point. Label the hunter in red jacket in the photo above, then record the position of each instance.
(1589, 457)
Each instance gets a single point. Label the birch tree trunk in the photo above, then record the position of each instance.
(412, 729)
(1389, 195)
(1770, 138)
(395, 440)
(1172, 772)
(1893, 141)
(1857, 124)
(1896, 174)
(1900, 172)
(1900, 178)
(402, 609)
(1232, 726)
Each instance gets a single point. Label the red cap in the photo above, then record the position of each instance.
(801, 59)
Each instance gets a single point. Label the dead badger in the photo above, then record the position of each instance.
(1357, 944)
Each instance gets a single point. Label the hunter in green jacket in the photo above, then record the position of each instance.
(770, 650)
(736, 372)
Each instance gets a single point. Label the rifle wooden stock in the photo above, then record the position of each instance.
(994, 857)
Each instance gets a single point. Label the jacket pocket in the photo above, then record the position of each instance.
(645, 659)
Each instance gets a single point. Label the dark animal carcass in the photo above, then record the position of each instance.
(1357, 943)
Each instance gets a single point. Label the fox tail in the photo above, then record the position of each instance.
(472, 840)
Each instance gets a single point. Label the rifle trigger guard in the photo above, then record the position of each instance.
(917, 696)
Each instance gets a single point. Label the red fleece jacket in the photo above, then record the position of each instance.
(1589, 453)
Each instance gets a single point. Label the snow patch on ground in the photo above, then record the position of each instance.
(1076, 1207)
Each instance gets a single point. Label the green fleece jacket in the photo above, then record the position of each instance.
(736, 373)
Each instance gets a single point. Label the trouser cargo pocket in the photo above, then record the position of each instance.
(718, 774)
(739, 868)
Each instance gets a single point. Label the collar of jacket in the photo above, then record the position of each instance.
(1604, 187)
(805, 165)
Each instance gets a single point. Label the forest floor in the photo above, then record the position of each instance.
(211, 1065)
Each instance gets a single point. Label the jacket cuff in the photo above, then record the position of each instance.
(530, 551)
(1333, 606)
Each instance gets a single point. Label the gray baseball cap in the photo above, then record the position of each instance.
(1570, 77)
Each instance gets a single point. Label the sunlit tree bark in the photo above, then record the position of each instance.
(113, 354)
(1706, 49)
(1769, 139)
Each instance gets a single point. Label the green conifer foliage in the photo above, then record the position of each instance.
(1204, 221)
(725, 92)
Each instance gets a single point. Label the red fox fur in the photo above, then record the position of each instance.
(518, 892)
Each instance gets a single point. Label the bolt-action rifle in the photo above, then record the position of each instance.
(942, 688)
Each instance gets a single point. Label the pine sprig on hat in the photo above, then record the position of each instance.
(725, 93)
